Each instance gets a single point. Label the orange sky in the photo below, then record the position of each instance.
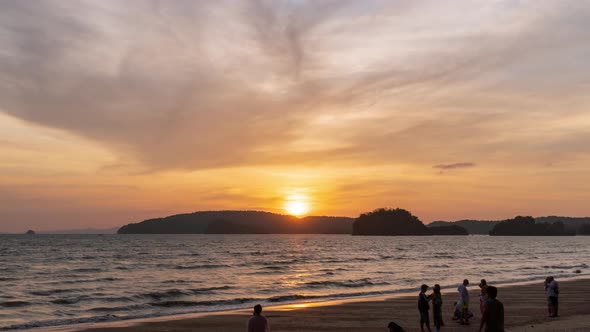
(114, 112)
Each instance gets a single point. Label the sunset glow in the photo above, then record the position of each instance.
(297, 208)
(467, 110)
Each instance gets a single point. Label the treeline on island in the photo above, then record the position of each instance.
(384, 222)
(551, 225)
(239, 222)
(398, 222)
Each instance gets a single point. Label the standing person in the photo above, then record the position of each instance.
(437, 302)
(464, 302)
(258, 323)
(552, 291)
(483, 296)
(423, 308)
(493, 316)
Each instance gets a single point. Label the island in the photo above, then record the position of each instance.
(571, 224)
(30, 232)
(448, 230)
(527, 226)
(472, 226)
(584, 230)
(239, 222)
(398, 222)
(381, 221)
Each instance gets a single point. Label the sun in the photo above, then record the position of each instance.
(297, 208)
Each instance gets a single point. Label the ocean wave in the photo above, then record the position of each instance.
(59, 322)
(171, 293)
(172, 304)
(178, 281)
(14, 304)
(201, 266)
(299, 297)
(274, 267)
(335, 269)
(165, 294)
(54, 291)
(363, 259)
(67, 301)
(281, 262)
(293, 297)
(260, 273)
(87, 270)
(348, 283)
(565, 266)
(8, 279)
(208, 289)
(445, 256)
(83, 281)
(117, 309)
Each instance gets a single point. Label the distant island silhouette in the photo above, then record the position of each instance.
(239, 222)
(524, 226)
(528, 226)
(472, 226)
(386, 222)
(398, 222)
(260, 222)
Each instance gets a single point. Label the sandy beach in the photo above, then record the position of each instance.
(525, 307)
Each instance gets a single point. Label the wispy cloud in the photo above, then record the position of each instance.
(453, 166)
(152, 87)
(166, 84)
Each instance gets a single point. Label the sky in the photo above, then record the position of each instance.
(116, 111)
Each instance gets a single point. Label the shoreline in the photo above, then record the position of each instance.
(449, 294)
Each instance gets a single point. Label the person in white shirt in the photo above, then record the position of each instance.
(464, 302)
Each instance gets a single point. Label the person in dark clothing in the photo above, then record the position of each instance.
(552, 290)
(423, 308)
(437, 302)
(258, 323)
(493, 316)
(393, 327)
(483, 296)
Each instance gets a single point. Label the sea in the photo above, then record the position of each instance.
(50, 280)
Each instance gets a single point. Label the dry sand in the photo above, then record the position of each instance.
(525, 310)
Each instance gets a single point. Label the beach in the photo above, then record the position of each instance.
(525, 310)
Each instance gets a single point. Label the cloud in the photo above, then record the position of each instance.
(196, 85)
(446, 167)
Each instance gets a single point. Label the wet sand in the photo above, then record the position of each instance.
(525, 310)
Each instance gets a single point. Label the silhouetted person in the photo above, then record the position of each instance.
(423, 308)
(436, 298)
(464, 302)
(493, 315)
(552, 291)
(393, 327)
(483, 296)
(258, 323)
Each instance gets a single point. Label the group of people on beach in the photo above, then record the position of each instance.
(491, 309)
